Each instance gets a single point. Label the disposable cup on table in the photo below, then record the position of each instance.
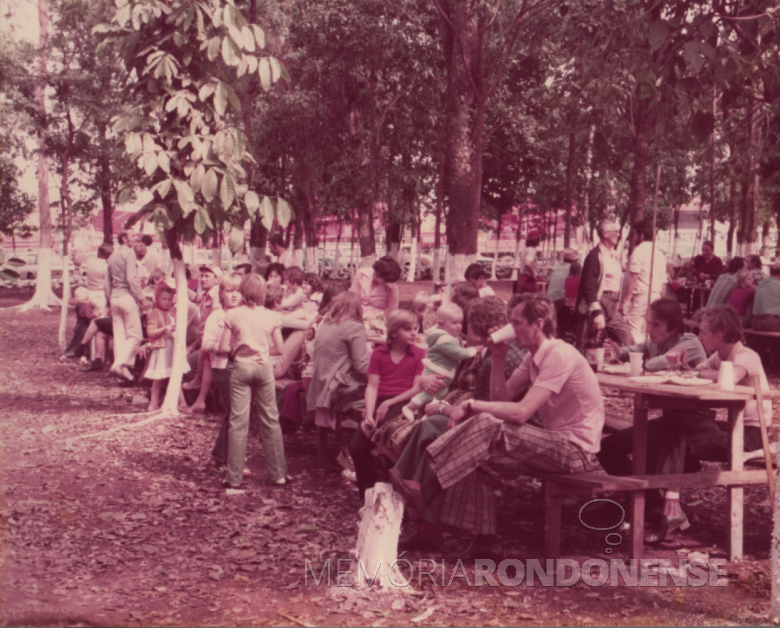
(726, 376)
(507, 332)
(600, 358)
(635, 360)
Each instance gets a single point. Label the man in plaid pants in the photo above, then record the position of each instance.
(494, 438)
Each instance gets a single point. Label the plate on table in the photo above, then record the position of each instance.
(690, 381)
(617, 369)
(648, 379)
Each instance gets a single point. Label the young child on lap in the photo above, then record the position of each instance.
(444, 353)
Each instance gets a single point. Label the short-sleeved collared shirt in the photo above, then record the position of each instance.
(751, 361)
(395, 378)
(767, 301)
(640, 265)
(613, 271)
(374, 298)
(575, 409)
(251, 330)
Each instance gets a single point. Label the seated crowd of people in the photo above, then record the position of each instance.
(447, 409)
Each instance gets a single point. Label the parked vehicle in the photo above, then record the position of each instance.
(27, 267)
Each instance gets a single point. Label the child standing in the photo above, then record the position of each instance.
(250, 327)
(444, 353)
(84, 315)
(159, 327)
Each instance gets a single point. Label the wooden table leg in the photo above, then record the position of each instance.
(736, 493)
(639, 466)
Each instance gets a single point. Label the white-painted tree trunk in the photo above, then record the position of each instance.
(436, 265)
(298, 257)
(44, 296)
(312, 259)
(495, 258)
(170, 404)
(517, 259)
(456, 266)
(216, 258)
(61, 336)
(412, 260)
(256, 257)
(378, 532)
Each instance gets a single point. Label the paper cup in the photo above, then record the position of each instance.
(635, 359)
(599, 358)
(507, 332)
(726, 376)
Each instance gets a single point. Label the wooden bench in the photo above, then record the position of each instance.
(555, 487)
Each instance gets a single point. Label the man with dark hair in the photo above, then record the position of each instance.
(244, 269)
(726, 283)
(124, 295)
(633, 304)
(766, 306)
(707, 265)
(476, 274)
(600, 284)
(279, 248)
(151, 260)
(754, 265)
(495, 436)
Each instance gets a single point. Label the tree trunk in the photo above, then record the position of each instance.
(171, 402)
(496, 251)
(586, 221)
(66, 206)
(464, 120)
(732, 216)
(439, 212)
(747, 234)
(712, 169)
(44, 296)
(636, 199)
(518, 239)
(569, 190)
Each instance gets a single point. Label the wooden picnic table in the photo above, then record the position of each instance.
(672, 396)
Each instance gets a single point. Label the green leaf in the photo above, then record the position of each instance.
(266, 212)
(164, 161)
(196, 178)
(206, 91)
(259, 35)
(236, 240)
(248, 39)
(659, 31)
(184, 195)
(283, 212)
(252, 201)
(209, 186)
(285, 76)
(233, 98)
(221, 98)
(214, 48)
(264, 70)
(231, 55)
(276, 69)
(163, 187)
(202, 221)
(227, 192)
(693, 58)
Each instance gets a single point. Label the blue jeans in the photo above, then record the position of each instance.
(222, 382)
(257, 378)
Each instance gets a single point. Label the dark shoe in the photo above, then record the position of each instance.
(415, 506)
(415, 542)
(493, 551)
(95, 365)
(666, 525)
(226, 484)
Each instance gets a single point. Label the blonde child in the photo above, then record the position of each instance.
(249, 328)
(444, 353)
(420, 308)
(160, 326)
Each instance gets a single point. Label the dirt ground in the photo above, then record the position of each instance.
(106, 526)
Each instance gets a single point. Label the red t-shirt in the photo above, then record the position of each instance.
(395, 378)
(739, 299)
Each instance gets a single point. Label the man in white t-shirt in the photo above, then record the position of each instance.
(634, 302)
(495, 436)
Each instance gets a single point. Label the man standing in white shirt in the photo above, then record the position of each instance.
(634, 302)
(283, 256)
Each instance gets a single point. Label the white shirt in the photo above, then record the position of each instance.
(487, 291)
(639, 264)
(751, 362)
(575, 409)
(613, 271)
